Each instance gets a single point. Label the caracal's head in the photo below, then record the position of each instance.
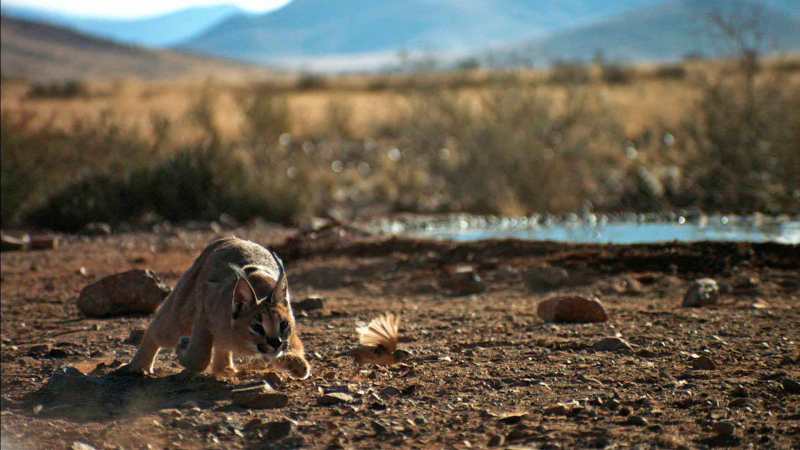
(261, 314)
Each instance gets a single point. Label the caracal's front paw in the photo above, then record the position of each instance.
(297, 366)
(224, 372)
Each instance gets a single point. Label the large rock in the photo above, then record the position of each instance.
(132, 292)
(572, 309)
(702, 292)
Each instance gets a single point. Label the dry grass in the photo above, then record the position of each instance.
(506, 143)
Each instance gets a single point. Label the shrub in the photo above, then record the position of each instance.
(670, 72)
(63, 89)
(569, 72)
(616, 73)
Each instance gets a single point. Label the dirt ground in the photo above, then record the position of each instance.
(485, 370)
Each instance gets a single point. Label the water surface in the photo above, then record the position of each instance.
(627, 229)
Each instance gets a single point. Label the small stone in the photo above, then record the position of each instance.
(335, 398)
(612, 344)
(463, 281)
(83, 272)
(703, 363)
(310, 303)
(43, 242)
(135, 336)
(81, 446)
(132, 292)
(572, 309)
(638, 421)
(702, 292)
(791, 386)
(279, 429)
(546, 278)
(261, 396)
(496, 440)
(724, 428)
(96, 229)
(12, 244)
(559, 409)
(40, 349)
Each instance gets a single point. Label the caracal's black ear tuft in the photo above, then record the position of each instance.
(244, 296)
(281, 291)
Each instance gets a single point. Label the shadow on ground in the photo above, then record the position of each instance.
(69, 394)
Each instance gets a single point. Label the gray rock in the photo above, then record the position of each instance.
(261, 396)
(703, 363)
(465, 281)
(724, 428)
(81, 446)
(279, 429)
(96, 229)
(335, 398)
(132, 292)
(791, 386)
(546, 278)
(311, 303)
(12, 244)
(612, 344)
(638, 421)
(702, 292)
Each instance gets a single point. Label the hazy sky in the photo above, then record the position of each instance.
(137, 8)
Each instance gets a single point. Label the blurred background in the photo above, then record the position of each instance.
(141, 112)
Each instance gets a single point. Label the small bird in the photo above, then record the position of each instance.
(378, 342)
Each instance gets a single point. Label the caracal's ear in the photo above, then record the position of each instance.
(281, 292)
(244, 296)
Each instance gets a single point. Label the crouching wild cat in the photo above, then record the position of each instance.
(234, 299)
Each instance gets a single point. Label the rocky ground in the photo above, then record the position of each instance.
(485, 370)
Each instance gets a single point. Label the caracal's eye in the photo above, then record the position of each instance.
(257, 329)
(284, 328)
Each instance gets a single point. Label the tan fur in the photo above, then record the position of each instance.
(229, 272)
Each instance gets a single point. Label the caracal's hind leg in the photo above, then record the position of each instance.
(142, 362)
(222, 363)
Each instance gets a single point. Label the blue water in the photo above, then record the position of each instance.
(636, 230)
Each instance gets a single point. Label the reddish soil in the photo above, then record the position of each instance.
(485, 370)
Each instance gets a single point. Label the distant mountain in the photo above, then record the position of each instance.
(157, 31)
(306, 30)
(667, 31)
(41, 52)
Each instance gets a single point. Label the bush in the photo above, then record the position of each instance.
(569, 72)
(670, 72)
(64, 90)
(616, 73)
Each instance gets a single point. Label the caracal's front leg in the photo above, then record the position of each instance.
(198, 353)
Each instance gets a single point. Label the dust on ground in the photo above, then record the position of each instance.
(485, 370)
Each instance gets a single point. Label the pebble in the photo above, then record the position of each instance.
(724, 428)
(279, 429)
(132, 292)
(612, 344)
(135, 336)
(335, 398)
(464, 281)
(791, 386)
(638, 421)
(703, 363)
(310, 303)
(572, 309)
(702, 292)
(81, 446)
